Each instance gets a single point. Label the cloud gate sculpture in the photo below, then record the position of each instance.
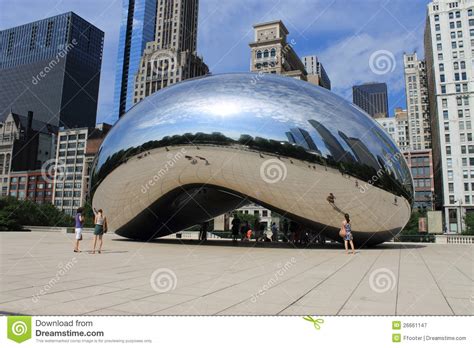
(203, 147)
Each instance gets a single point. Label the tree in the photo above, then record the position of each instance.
(14, 214)
(469, 224)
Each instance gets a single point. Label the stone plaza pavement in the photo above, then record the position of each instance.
(40, 275)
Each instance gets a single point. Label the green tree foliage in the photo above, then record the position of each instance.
(245, 218)
(412, 225)
(14, 214)
(469, 224)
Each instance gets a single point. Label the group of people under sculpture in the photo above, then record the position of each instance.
(100, 227)
(291, 233)
(238, 228)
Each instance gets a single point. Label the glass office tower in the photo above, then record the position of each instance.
(137, 28)
(371, 97)
(52, 67)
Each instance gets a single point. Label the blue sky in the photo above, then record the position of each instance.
(345, 34)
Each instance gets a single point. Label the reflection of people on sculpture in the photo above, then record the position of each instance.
(274, 232)
(346, 233)
(235, 227)
(203, 231)
(331, 199)
(243, 231)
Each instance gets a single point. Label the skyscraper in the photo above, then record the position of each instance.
(416, 87)
(172, 56)
(137, 28)
(398, 128)
(448, 51)
(371, 97)
(52, 67)
(316, 72)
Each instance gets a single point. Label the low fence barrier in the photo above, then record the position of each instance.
(454, 239)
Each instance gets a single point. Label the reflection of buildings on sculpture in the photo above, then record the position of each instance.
(25, 144)
(336, 151)
(301, 137)
(420, 163)
(171, 57)
(397, 127)
(224, 222)
(360, 150)
(74, 157)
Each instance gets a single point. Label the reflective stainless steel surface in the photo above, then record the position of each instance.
(202, 147)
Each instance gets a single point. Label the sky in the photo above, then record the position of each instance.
(357, 41)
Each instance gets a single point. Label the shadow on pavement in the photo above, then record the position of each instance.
(275, 245)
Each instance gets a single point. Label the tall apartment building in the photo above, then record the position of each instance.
(74, 156)
(416, 86)
(420, 163)
(372, 98)
(172, 56)
(25, 145)
(449, 53)
(398, 128)
(138, 27)
(316, 73)
(272, 53)
(52, 67)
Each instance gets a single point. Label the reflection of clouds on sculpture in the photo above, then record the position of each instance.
(229, 104)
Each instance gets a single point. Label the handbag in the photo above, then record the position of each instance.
(105, 227)
(342, 232)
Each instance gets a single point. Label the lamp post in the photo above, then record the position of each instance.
(460, 215)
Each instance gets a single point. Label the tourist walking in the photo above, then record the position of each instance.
(235, 227)
(346, 231)
(100, 228)
(203, 231)
(78, 228)
(243, 230)
(274, 229)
